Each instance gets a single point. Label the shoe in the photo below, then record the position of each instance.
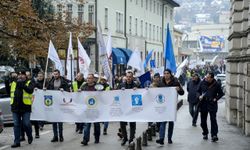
(96, 141)
(22, 139)
(77, 129)
(84, 142)
(194, 125)
(104, 131)
(160, 141)
(215, 138)
(61, 139)
(120, 135)
(124, 141)
(170, 141)
(37, 136)
(130, 141)
(80, 132)
(30, 140)
(55, 139)
(15, 145)
(205, 137)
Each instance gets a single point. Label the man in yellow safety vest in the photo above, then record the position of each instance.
(75, 86)
(20, 100)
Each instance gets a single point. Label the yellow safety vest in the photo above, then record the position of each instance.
(27, 98)
(75, 86)
(107, 88)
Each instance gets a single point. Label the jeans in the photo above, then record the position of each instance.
(21, 119)
(97, 132)
(193, 110)
(163, 129)
(214, 126)
(55, 126)
(105, 125)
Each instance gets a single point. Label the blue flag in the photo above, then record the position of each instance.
(169, 53)
(147, 58)
(152, 63)
(145, 79)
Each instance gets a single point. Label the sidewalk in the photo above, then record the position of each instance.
(187, 137)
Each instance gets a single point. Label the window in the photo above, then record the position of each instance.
(141, 28)
(119, 22)
(146, 29)
(130, 24)
(150, 5)
(158, 9)
(166, 12)
(171, 14)
(153, 32)
(154, 6)
(59, 10)
(106, 18)
(136, 22)
(69, 13)
(69, 7)
(157, 60)
(157, 34)
(141, 3)
(131, 0)
(161, 58)
(150, 31)
(80, 13)
(146, 4)
(160, 34)
(136, 2)
(91, 14)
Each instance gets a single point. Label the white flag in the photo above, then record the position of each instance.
(104, 62)
(109, 45)
(136, 62)
(180, 68)
(213, 62)
(70, 60)
(53, 56)
(83, 58)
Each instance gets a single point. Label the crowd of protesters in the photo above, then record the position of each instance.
(203, 92)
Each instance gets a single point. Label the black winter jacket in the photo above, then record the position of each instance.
(210, 91)
(173, 83)
(192, 88)
(64, 84)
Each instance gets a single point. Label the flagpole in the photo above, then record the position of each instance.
(71, 66)
(46, 68)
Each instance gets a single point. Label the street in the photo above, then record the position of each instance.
(185, 136)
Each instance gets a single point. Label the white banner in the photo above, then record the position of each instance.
(141, 105)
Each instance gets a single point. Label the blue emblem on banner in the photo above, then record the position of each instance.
(136, 100)
(48, 100)
(91, 101)
(160, 98)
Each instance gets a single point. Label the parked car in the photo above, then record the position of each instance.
(5, 105)
(222, 79)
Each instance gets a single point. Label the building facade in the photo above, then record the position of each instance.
(238, 67)
(133, 24)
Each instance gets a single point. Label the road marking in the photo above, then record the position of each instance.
(4, 147)
(45, 132)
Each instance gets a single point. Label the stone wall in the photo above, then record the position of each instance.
(238, 66)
